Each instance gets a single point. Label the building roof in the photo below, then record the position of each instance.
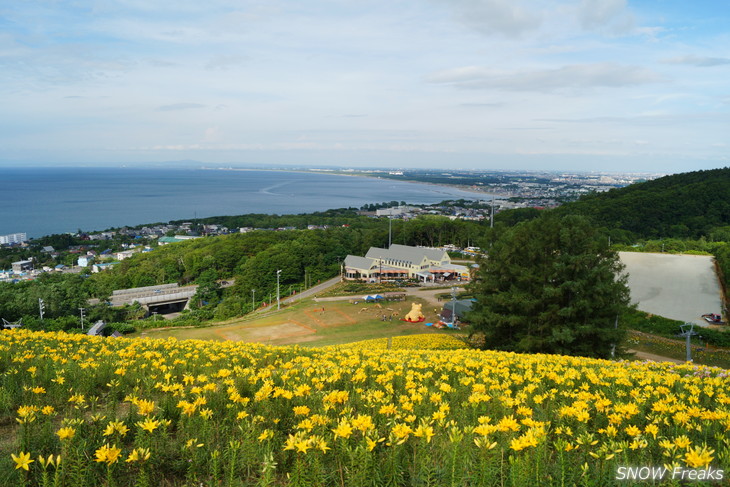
(97, 328)
(406, 253)
(169, 239)
(429, 252)
(459, 307)
(357, 262)
(462, 269)
(402, 255)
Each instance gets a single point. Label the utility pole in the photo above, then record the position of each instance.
(491, 218)
(81, 310)
(390, 231)
(278, 303)
(253, 299)
(41, 307)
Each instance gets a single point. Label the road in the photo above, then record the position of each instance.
(304, 294)
(312, 290)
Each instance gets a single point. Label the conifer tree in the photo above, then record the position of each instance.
(550, 285)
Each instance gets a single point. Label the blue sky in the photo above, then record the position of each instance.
(607, 85)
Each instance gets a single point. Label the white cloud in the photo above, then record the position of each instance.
(223, 77)
(612, 16)
(179, 106)
(225, 62)
(700, 61)
(580, 76)
(510, 18)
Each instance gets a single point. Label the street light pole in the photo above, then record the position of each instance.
(278, 303)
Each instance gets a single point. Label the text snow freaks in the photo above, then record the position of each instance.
(662, 473)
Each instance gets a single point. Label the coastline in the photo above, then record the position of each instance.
(53, 201)
(465, 188)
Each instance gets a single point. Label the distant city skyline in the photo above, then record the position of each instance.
(590, 85)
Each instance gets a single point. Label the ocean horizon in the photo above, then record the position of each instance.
(44, 201)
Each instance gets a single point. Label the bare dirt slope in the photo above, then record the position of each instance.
(681, 287)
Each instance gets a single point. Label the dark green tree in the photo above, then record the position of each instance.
(209, 290)
(550, 285)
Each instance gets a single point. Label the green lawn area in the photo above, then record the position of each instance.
(305, 323)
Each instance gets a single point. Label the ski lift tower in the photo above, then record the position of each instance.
(453, 304)
(688, 331)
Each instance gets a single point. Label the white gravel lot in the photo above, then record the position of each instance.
(681, 287)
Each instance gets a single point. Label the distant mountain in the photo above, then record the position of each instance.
(681, 205)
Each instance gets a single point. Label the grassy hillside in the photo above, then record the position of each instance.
(78, 410)
(310, 324)
(681, 205)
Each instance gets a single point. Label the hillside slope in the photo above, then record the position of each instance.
(681, 205)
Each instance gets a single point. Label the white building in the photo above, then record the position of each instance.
(126, 254)
(395, 211)
(13, 238)
(85, 260)
(404, 262)
(22, 266)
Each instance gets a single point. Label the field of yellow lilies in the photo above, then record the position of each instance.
(86, 411)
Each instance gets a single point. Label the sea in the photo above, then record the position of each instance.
(45, 201)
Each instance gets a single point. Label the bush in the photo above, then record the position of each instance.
(122, 328)
(649, 323)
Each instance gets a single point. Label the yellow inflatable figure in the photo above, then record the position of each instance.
(415, 315)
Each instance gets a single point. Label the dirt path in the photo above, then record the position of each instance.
(428, 295)
(655, 358)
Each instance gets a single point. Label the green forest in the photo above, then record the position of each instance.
(688, 205)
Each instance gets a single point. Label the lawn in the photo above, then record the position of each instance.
(308, 323)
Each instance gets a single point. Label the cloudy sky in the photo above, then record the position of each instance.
(610, 85)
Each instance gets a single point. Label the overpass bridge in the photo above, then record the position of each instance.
(161, 299)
